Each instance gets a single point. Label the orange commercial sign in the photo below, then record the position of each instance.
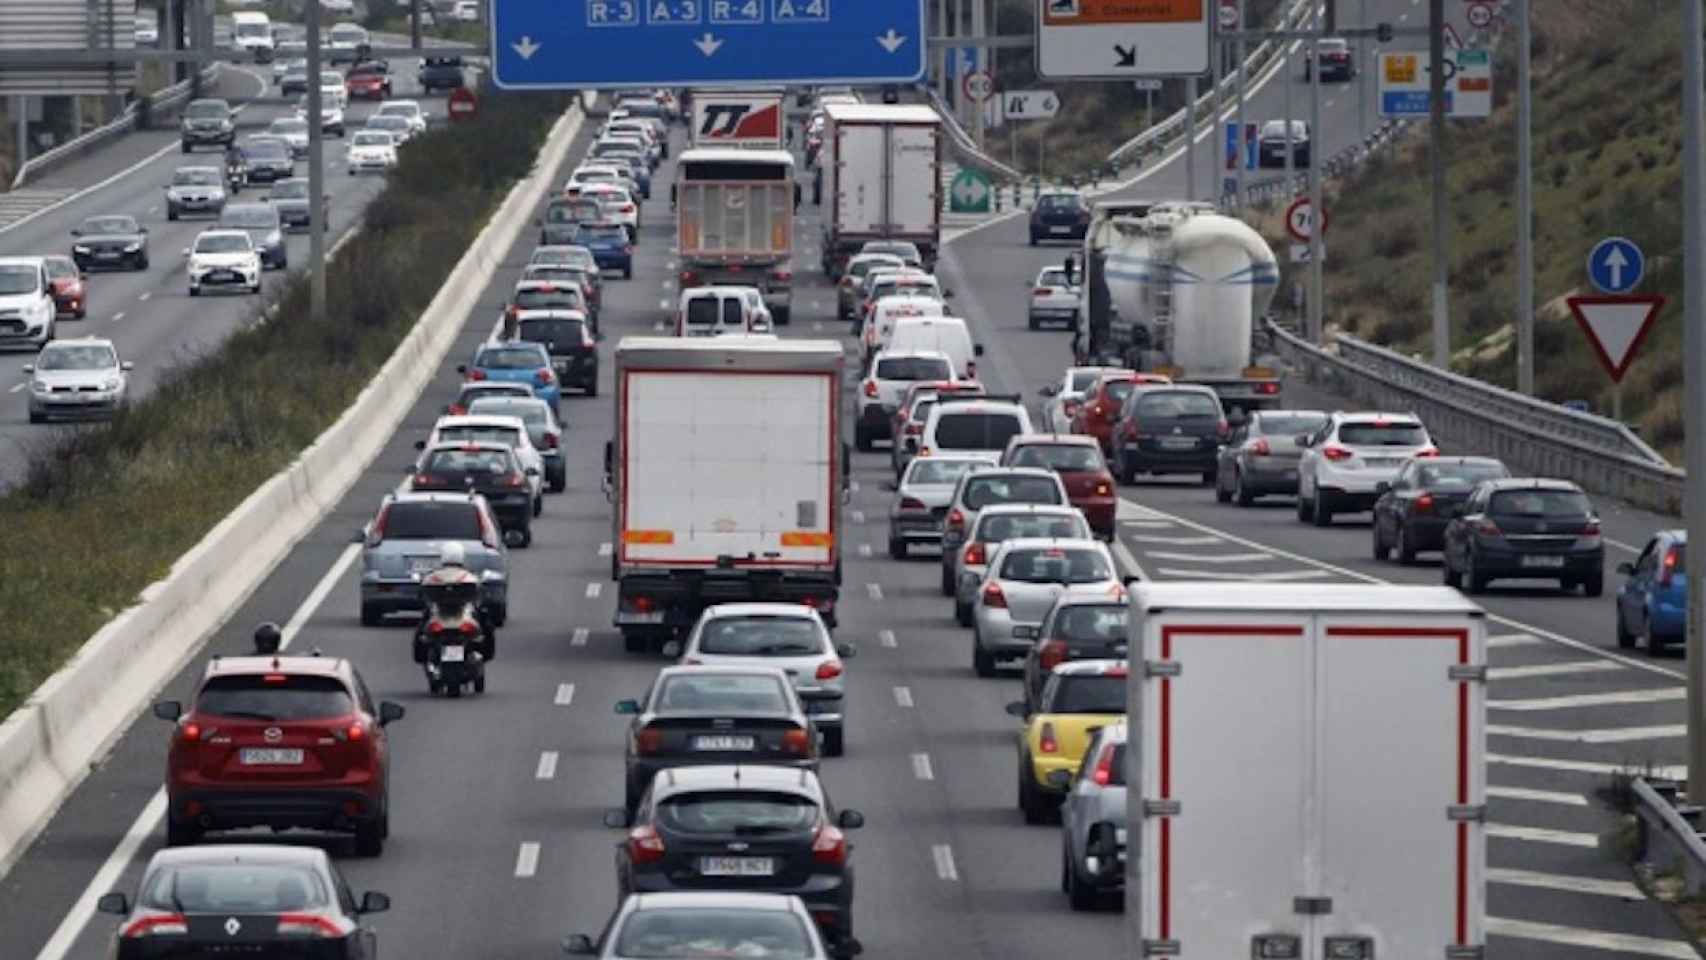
(1066, 13)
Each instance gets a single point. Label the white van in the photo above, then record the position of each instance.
(879, 326)
(947, 335)
(253, 32)
(715, 311)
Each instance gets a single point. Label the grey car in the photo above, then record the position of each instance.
(1260, 457)
(1093, 822)
(76, 378)
(1075, 628)
(982, 488)
(206, 122)
(294, 79)
(542, 428)
(402, 544)
(195, 190)
(996, 525)
(290, 199)
(1024, 578)
(262, 223)
(921, 501)
(293, 131)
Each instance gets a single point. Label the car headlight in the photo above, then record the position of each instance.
(80, 248)
(38, 386)
(131, 247)
(195, 265)
(111, 384)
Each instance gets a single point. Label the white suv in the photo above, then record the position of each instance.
(885, 386)
(1349, 456)
(973, 426)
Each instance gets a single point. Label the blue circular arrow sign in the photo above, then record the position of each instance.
(1615, 265)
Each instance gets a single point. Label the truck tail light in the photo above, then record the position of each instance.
(797, 742)
(644, 845)
(829, 846)
(976, 554)
(1336, 454)
(1052, 653)
(912, 503)
(829, 670)
(1268, 388)
(782, 276)
(1423, 504)
(1261, 449)
(648, 740)
(640, 604)
(993, 597)
(1046, 741)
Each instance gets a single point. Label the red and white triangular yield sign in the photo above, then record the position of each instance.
(1616, 326)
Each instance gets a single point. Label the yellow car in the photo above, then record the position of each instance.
(1079, 698)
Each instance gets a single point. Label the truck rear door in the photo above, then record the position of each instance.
(735, 219)
(860, 205)
(912, 207)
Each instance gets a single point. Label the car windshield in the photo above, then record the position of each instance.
(1382, 434)
(510, 358)
(1288, 425)
(1090, 693)
(720, 692)
(77, 358)
(761, 637)
(389, 123)
(427, 520)
(977, 431)
(18, 279)
(200, 177)
(553, 332)
(267, 149)
(737, 812)
(1053, 278)
(248, 218)
(859, 268)
(60, 268)
(913, 368)
(1539, 503)
(1459, 476)
(469, 461)
(289, 190)
(471, 433)
(929, 472)
(206, 111)
(1104, 623)
(275, 696)
(1059, 202)
(1059, 456)
(1178, 405)
(1055, 565)
(980, 492)
(602, 233)
(234, 888)
(672, 933)
(223, 243)
(539, 298)
(534, 413)
(371, 138)
(1015, 526)
(99, 225)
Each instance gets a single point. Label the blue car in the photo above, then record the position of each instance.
(1653, 602)
(517, 362)
(609, 245)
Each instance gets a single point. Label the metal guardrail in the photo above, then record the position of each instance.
(1340, 164)
(1669, 840)
(1531, 436)
(965, 147)
(163, 99)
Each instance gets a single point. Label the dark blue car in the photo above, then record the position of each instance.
(609, 245)
(1653, 603)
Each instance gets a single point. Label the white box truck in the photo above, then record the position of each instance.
(881, 179)
(727, 474)
(734, 221)
(1311, 763)
(738, 118)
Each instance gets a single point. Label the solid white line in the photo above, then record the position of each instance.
(547, 768)
(1569, 884)
(604, 549)
(1552, 669)
(865, 550)
(875, 590)
(593, 589)
(1612, 735)
(1538, 796)
(921, 767)
(944, 857)
(578, 638)
(1622, 944)
(18, 387)
(565, 695)
(1512, 640)
(1587, 766)
(118, 316)
(144, 295)
(1209, 557)
(1538, 835)
(1655, 695)
(1277, 576)
(886, 638)
(1625, 547)
(903, 696)
(1177, 541)
(317, 596)
(527, 859)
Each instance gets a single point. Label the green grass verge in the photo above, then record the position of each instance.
(108, 509)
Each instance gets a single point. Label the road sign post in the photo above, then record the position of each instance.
(1119, 40)
(545, 45)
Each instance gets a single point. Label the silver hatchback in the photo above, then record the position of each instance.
(921, 501)
(986, 488)
(1093, 822)
(403, 543)
(998, 524)
(1024, 579)
(1261, 456)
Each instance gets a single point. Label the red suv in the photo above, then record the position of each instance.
(282, 742)
(1078, 461)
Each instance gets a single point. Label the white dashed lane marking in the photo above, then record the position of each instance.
(547, 768)
(578, 638)
(921, 767)
(527, 860)
(886, 638)
(593, 589)
(944, 857)
(903, 696)
(1553, 669)
(1655, 695)
(1538, 796)
(1537, 835)
(565, 694)
(1612, 735)
(1571, 884)
(604, 549)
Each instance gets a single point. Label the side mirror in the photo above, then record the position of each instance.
(977, 350)
(420, 444)
(1381, 487)
(374, 902)
(389, 712)
(77, 233)
(628, 707)
(850, 820)
(1049, 390)
(1626, 568)
(29, 368)
(947, 293)
(1059, 779)
(116, 903)
(617, 818)
(672, 649)
(579, 945)
(1017, 709)
(124, 365)
(360, 535)
(143, 230)
(169, 710)
(846, 651)
(462, 368)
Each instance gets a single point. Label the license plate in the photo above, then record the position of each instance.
(221, 275)
(1379, 462)
(1543, 562)
(1179, 443)
(737, 866)
(722, 743)
(654, 616)
(422, 564)
(1059, 229)
(269, 756)
(451, 655)
(106, 254)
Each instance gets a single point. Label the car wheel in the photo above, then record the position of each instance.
(897, 548)
(1031, 803)
(1406, 549)
(171, 212)
(1304, 508)
(81, 314)
(1221, 493)
(947, 580)
(1123, 472)
(1240, 493)
(1033, 239)
(592, 386)
(480, 683)
(1031, 323)
(526, 536)
(142, 263)
(538, 505)
(1322, 515)
(255, 287)
(982, 663)
(1208, 477)
(500, 615)
(633, 640)
(628, 272)
(181, 834)
(195, 291)
(1655, 647)
(1452, 577)
(370, 615)
(1625, 639)
(962, 613)
(1381, 550)
(1079, 894)
(37, 417)
(559, 482)
(862, 439)
(1594, 585)
(834, 744)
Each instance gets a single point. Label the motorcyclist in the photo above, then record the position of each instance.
(236, 168)
(452, 592)
(269, 639)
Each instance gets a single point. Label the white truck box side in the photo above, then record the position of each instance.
(913, 187)
(1318, 745)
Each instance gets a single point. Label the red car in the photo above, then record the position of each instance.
(369, 81)
(282, 742)
(1078, 461)
(67, 282)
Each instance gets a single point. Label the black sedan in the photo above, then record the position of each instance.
(749, 828)
(290, 197)
(244, 899)
(701, 715)
(114, 240)
(1059, 216)
(490, 469)
(269, 159)
(1526, 530)
(1415, 507)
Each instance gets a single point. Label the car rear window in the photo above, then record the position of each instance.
(663, 934)
(231, 888)
(980, 492)
(862, 267)
(913, 368)
(761, 637)
(1061, 202)
(1090, 693)
(480, 434)
(737, 812)
(1013, 526)
(741, 693)
(1055, 565)
(538, 298)
(509, 358)
(553, 331)
(530, 412)
(1459, 476)
(928, 472)
(704, 311)
(1288, 426)
(1058, 456)
(977, 431)
(427, 520)
(1086, 623)
(275, 696)
(1539, 503)
(1382, 434)
(1053, 278)
(602, 233)
(469, 461)
(1178, 405)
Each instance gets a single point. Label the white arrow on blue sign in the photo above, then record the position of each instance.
(1615, 265)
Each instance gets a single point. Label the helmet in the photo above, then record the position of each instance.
(452, 555)
(268, 638)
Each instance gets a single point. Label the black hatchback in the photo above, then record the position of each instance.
(1075, 628)
(1169, 429)
(489, 469)
(1413, 510)
(750, 828)
(1526, 530)
(1059, 216)
(571, 342)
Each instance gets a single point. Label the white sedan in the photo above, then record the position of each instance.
(1053, 300)
(371, 150)
(409, 110)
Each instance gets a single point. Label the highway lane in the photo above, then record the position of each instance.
(149, 314)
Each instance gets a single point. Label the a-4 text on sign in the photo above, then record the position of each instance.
(1468, 83)
(576, 44)
(1122, 39)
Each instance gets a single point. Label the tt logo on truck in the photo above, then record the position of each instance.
(738, 121)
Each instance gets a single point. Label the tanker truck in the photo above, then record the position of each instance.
(1175, 288)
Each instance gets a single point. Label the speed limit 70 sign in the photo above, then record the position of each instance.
(1300, 220)
(1029, 105)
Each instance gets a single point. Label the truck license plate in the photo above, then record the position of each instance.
(451, 654)
(1543, 562)
(722, 743)
(737, 866)
(269, 756)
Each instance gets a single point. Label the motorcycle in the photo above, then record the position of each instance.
(455, 639)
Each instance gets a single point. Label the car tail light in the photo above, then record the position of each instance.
(476, 374)
(1045, 739)
(829, 670)
(190, 732)
(829, 846)
(914, 429)
(1042, 291)
(648, 740)
(1052, 653)
(626, 208)
(551, 441)
(1667, 571)
(1223, 429)
(993, 597)
(912, 503)
(1104, 772)
(1588, 539)
(956, 519)
(1336, 454)
(1423, 504)
(797, 741)
(1428, 452)
(1268, 387)
(1486, 527)
(517, 480)
(456, 410)
(870, 388)
(1069, 407)
(1261, 449)
(644, 845)
(156, 925)
(976, 554)
(308, 925)
(376, 533)
(1104, 487)
(544, 378)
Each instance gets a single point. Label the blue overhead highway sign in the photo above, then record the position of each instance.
(1615, 265)
(574, 44)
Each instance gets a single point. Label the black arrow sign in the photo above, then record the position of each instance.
(1127, 55)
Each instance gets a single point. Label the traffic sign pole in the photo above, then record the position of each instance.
(1436, 161)
(1524, 206)
(1243, 93)
(1694, 379)
(1315, 207)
